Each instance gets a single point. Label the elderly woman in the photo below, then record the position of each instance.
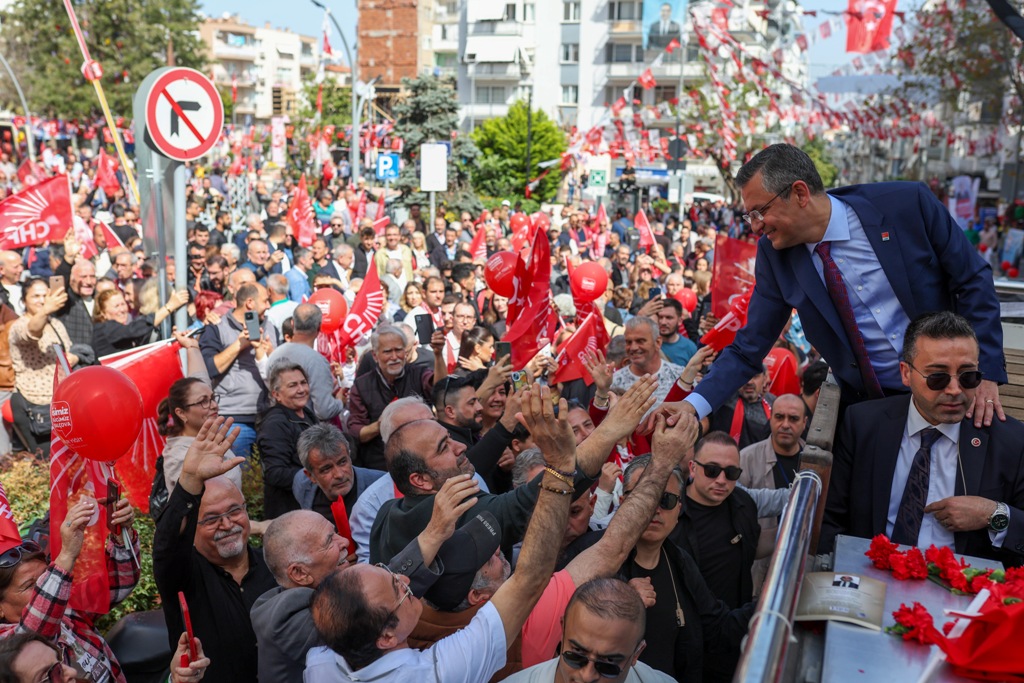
(32, 338)
(114, 331)
(278, 433)
(34, 594)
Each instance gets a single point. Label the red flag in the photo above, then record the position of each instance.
(531, 300)
(41, 213)
(72, 478)
(381, 206)
(733, 272)
(600, 217)
(647, 80)
(153, 369)
(619, 105)
(724, 331)
(10, 536)
(570, 356)
(720, 18)
(234, 88)
(300, 215)
(644, 228)
(868, 29)
(520, 236)
(825, 29)
(365, 311)
(380, 225)
(782, 377)
(361, 206)
(106, 174)
(342, 525)
(672, 46)
(478, 248)
(30, 173)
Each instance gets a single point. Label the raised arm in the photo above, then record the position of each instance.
(517, 596)
(620, 422)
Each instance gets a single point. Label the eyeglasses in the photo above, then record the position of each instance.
(937, 381)
(758, 214)
(203, 403)
(444, 393)
(54, 674)
(578, 660)
(232, 513)
(712, 470)
(14, 556)
(668, 501)
(405, 586)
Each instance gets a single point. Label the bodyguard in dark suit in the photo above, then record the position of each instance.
(857, 263)
(914, 468)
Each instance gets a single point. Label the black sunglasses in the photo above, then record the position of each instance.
(937, 381)
(668, 501)
(14, 556)
(712, 470)
(575, 660)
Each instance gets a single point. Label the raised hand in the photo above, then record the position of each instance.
(454, 499)
(597, 366)
(624, 417)
(205, 457)
(72, 532)
(124, 515)
(194, 671)
(185, 341)
(672, 443)
(553, 436)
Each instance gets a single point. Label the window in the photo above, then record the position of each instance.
(664, 93)
(529, 12)
(623, 11)
(618, 53)
(570, 94)
(571, 11)
(494, 94)
(451, 7)
(510, 11)
(570, 53)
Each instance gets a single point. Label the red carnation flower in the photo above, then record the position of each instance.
(915, 623)
(909, 565)
(880, 551)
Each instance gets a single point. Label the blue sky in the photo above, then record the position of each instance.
(303, 17)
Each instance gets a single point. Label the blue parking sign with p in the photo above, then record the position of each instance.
(387, 167)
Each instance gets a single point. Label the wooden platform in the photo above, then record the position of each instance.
(1012, 393)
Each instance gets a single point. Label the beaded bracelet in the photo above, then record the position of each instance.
(554, 490)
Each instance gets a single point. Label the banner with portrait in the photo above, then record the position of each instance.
(663, 21)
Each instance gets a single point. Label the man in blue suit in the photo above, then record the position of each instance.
(890, 252)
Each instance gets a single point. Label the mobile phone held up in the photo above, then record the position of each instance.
(186, 617)
(502, 350)
(252, 325)
(424, 328)
(113, 495)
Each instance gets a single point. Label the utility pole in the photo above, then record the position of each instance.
(529, 133)
(29, 137)
(352, 56)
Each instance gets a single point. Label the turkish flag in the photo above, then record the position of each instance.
(782, 377)
(106, 174)
(37, 214)
(531, 300)
(672, 46)
(72, 478)
(733, 272)
(647, 80)
(520, 236)
(478, 248)
(644, 228)
(30, 173)
(300, 215)
(153, 369)
(587, 337)
(868, 25)
(365, 311)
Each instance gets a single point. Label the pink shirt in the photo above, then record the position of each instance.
(542, 631)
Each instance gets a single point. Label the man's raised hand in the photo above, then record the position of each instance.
(627, 412)
(205, 457)
(553, 436)
(674, 442)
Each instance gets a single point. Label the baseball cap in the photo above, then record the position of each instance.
(462, 556)
(506, 202)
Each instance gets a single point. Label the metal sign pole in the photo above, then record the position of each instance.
(433, 210)
(181, 263)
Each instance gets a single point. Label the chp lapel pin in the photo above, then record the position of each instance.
(885, 236)
(975, 442)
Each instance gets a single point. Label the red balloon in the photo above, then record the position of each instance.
(518, 220)
(498, 272)
(541, 220)
(687, 297)
(1013, 272)
(1006, 265)
(97, 412)
(332, 306)
(8, 413)
(982, 248)
(589, 281)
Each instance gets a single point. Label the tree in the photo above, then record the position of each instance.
(505, 139)
(129, 38)
(336, 103)
(822, 161)
(430, 113)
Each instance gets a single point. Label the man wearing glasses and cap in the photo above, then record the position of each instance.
(916, 469)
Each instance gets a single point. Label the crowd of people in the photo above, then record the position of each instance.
(429, 509)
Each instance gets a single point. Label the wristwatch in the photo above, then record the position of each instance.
(1000, 519)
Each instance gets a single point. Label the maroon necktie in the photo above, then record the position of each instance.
(841, 300)
(915, 493)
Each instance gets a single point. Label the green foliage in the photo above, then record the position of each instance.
(502, 142)
(26, 478)
(145, 596)
(337, 104)
(430, 113)
(822, 161)
(129, 38)
(528, 205)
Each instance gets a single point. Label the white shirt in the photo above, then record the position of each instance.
(545, 673)
(942, 478)
(470, 655)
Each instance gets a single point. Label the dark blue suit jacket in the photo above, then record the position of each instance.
(925, 256)
(865, 462)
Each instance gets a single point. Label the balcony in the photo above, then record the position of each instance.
(631, 70)
(481, 112)
(496, 28)
(495, 72)
(625, 27)
(222, 50)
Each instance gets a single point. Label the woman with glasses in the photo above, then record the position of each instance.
(189, 403)
(34, 594)
(114, 331)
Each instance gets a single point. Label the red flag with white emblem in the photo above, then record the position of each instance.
(40, 213)
(365, 311)
(571, 356)
(644, 228)
(478, 248)
(106, 174)
(531, 300)
(300, 215)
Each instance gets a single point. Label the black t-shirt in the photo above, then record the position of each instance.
(322, 504)
(785, 469)
(720, 560)
(667, 643)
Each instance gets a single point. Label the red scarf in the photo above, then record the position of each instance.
(739, 412)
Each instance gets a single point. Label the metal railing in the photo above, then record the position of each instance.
(771, 626)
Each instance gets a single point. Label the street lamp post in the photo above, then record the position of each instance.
(29, 137)
(351, 55)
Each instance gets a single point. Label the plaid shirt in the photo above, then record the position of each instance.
(48, 614)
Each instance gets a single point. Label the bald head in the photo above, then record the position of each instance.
(402, 412)
(10, 264)
(242, 276)
(301, 547)
(83, 278)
